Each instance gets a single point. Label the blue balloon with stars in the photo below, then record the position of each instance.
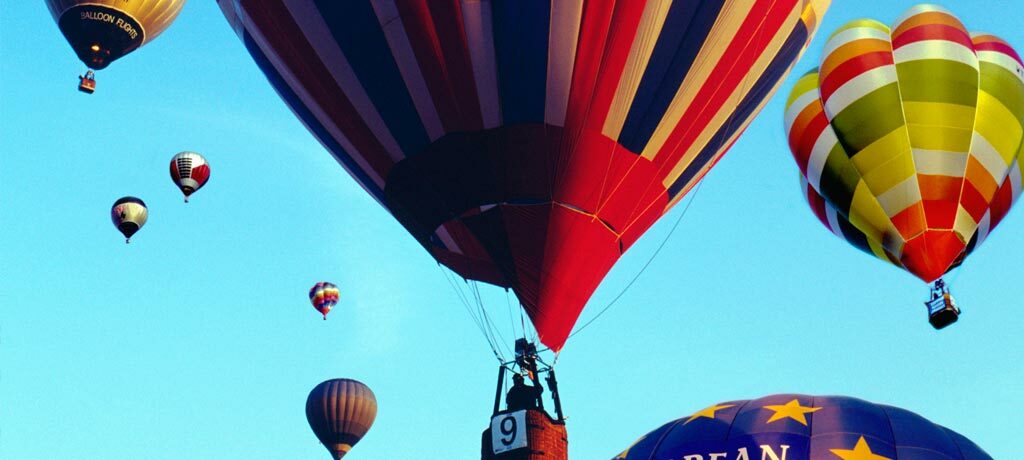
(801, 427)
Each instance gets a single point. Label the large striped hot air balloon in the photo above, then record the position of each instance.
(340, 412)
(527, 144)
(801, 427)
(912, 135)
(103, 31)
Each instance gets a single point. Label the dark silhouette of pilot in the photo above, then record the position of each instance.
(522, 396)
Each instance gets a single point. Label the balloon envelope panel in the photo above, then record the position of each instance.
(526, 144)
(802, 427)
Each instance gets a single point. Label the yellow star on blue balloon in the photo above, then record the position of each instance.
(860, 452)
(708, 412)
(792, 410)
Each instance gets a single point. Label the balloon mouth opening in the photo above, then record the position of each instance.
(128, 229)
(97, 63)
(339, 450)
(99, 55)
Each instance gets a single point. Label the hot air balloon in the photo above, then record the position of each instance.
(102, 31)
(324, 296)
(913, 136)
(340, 412)
(801, 427)
(189, 171)
(129, 214)
(526, 144)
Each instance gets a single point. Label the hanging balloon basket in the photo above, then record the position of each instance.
(942, 308)
(87, 83)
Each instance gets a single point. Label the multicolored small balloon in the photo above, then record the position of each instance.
(324, 296)
(129, 214)
(189, 171)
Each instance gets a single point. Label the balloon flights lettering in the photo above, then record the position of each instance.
(767, 453)
(107, 17)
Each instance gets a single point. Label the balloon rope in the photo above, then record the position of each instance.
(956, 276)
(495, 333)
(693, 196)
(522, 320)
(465, 303)
(462, 298)
(511, 318)
(498, 341)
(487, 319)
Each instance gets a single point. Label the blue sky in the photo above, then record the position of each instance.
(198, 341)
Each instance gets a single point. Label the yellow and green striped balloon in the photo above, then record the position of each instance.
(912, 134)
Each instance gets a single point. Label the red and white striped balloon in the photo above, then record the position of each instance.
(189, 171)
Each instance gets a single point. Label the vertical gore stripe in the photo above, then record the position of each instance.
(446, 18)
(357, 32)
(773, 73)
(521, 30)
(308, 119)
(682, 37)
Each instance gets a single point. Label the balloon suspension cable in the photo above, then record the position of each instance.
(496, 336)
(956, 276)
(693, 196)
(488, 328)
(522, 321)
(463, 298)
(511, 318)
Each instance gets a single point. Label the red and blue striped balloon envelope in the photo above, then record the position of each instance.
(529, 143)
(802, 427)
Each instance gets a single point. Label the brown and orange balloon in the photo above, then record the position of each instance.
(340, 412)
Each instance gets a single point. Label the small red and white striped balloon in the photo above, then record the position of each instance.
(189, 171)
